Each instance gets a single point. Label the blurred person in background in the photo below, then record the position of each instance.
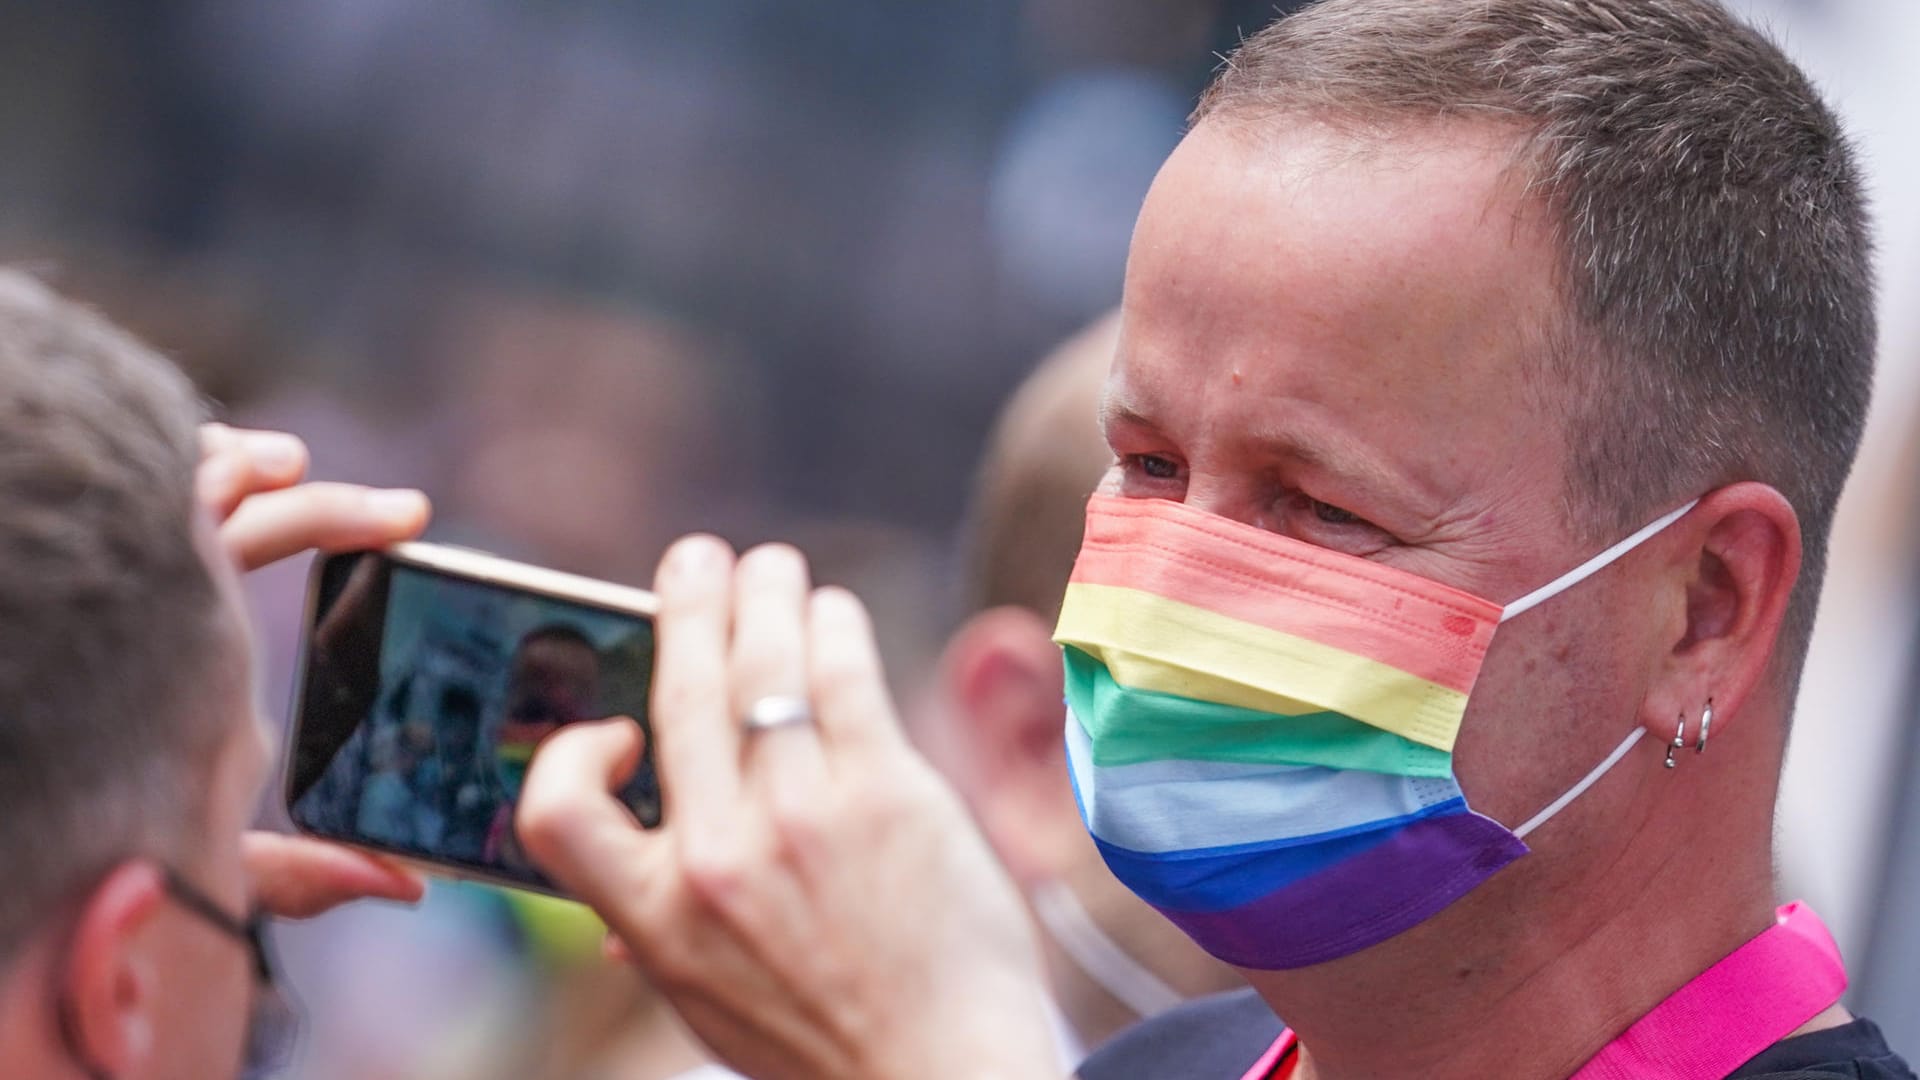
(130, 931)
(585, 436)
(1441, 312)
(992, 721)
(1890, 985)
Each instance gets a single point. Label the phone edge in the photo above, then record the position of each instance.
(497, 570)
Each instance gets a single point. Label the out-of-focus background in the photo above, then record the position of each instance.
(597, 273)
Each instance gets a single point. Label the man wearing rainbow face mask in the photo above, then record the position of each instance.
(1489, 371)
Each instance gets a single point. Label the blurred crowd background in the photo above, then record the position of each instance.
(596, 273)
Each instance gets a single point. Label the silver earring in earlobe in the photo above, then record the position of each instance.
(1706, 721)
(1679, 741)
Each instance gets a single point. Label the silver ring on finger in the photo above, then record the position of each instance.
(777, 711)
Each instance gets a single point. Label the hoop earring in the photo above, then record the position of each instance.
(1706, 721)
(1679, 741)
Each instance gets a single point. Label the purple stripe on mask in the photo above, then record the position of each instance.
(1361, 902)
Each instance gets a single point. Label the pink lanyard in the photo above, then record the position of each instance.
(1761, 993)
(1733, 1010)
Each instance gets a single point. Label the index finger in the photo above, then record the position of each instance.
(328, 516)
(297, 877)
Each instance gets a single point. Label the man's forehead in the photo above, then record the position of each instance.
(1437, 205)
(1377, 310)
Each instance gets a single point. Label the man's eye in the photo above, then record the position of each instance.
(1333, 515)
(1157, 467)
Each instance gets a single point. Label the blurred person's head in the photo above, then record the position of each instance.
(994, 721)
(130, 754)
(587, 435)
(1442, 298)
(554, 677)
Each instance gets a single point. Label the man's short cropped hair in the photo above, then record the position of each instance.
(109, 617)
(1716, 263)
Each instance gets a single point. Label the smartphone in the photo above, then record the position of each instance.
(428, 674)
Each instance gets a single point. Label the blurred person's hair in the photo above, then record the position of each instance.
(110, 620)
(1044, 458)
(1716, 266)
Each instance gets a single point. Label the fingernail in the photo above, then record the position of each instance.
(397, 505)
(694, 555)
(774, 561)
(278, 452)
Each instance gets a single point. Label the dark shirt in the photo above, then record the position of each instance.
(1219, 1038)
(1856, 1050)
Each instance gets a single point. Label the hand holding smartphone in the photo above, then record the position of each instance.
(428, 676)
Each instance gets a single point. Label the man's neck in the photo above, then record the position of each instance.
(1531, 1001)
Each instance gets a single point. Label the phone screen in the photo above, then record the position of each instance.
(425, 695)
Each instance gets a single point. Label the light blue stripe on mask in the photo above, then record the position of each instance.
(1226, 879)
(1164, 807)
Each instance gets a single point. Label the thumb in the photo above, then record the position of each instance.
(574, 826)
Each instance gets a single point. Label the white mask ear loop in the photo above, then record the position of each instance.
(1580, 788)
(1104, 961)
(1554, 588)
(1592, 566)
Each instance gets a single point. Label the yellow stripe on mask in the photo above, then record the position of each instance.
(1152, 643)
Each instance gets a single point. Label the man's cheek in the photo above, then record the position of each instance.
(1537, 691)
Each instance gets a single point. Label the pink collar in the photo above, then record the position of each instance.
(1761, 993)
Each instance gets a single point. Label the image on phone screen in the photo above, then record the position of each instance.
(425, 695)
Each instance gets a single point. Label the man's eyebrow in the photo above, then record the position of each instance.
(1274, 441)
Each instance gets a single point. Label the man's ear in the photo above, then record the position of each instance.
(109, 986)
(1002, 679)
(1738, 575)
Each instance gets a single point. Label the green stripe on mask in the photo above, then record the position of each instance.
(1128, 726)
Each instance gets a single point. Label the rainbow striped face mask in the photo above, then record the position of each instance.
(1261, 731)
